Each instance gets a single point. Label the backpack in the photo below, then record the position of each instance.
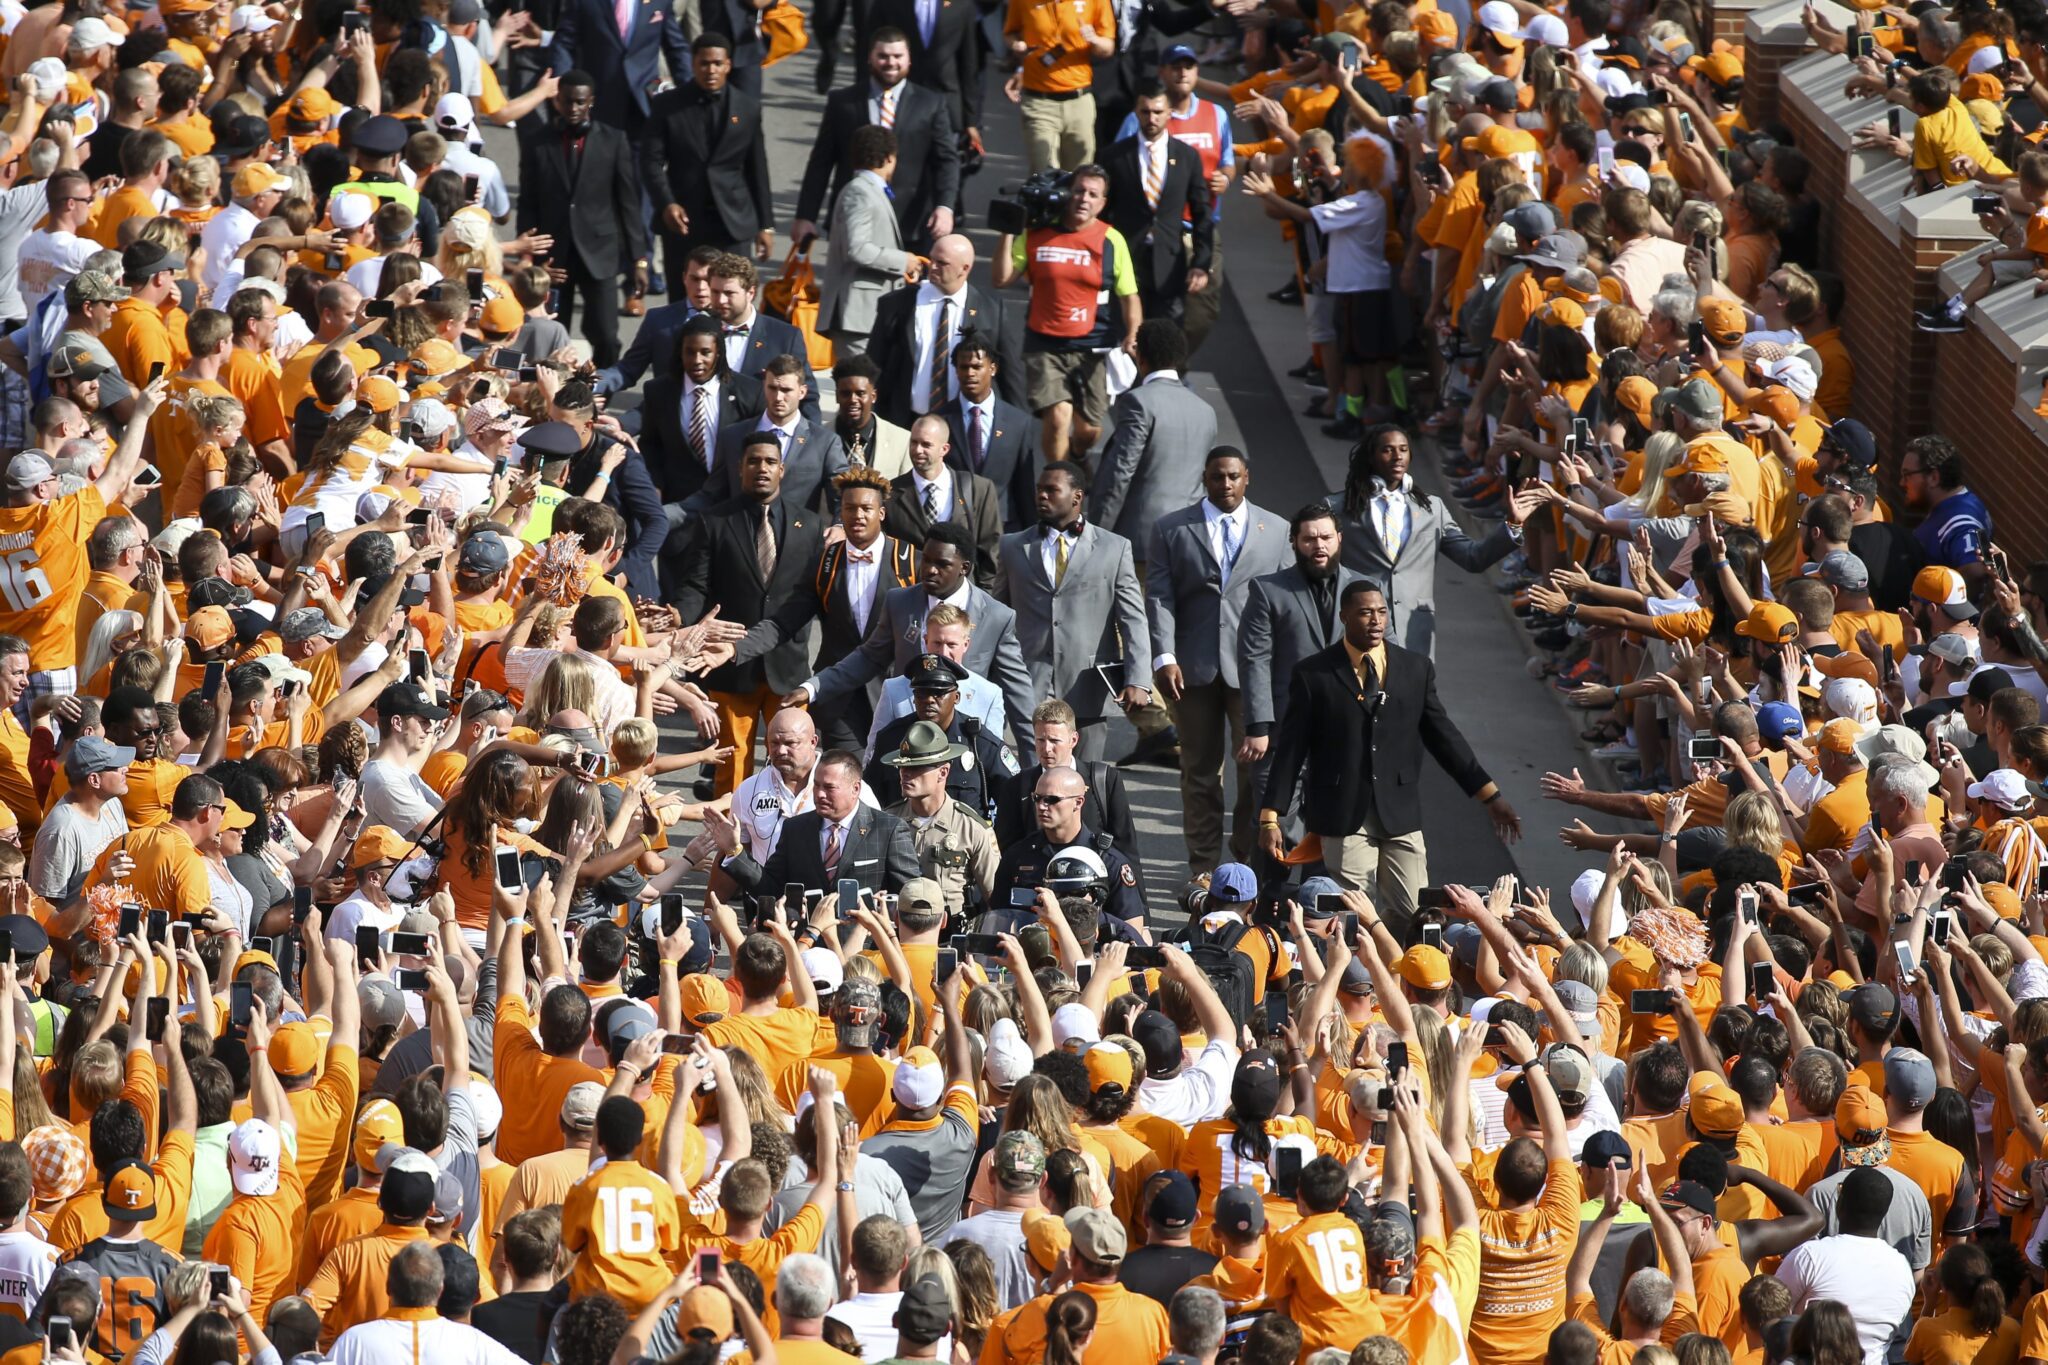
(1230, 972)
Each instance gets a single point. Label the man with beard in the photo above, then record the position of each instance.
(868, 439)
(1956, 525)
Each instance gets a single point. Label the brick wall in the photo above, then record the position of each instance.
(1772, 37)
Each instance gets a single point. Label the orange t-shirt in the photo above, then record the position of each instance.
(1315, 1274)
(1951, 1340)
(1523, 1253)
(1128, 1328)
(623, 1226)
(349, 1286)
(43, 572)
(532, 1083)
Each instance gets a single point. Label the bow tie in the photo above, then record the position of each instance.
(735, 331)
(860, 556)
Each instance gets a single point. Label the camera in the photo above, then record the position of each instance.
(1040, 202)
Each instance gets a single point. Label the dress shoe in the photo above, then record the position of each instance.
(634, 307)
(1345, 428)
(1161, 749)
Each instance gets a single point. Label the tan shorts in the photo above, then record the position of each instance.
(1077, 377)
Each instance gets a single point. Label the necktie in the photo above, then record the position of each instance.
(622, 10)
(887, 104)
(927, 18)
(1155, 172)
(931, 502)
(1059, 569)
(700, 427)
(831, 852)
(1369, 675)
(974, 441)
(1233, 541)
(764, 547)
(942, 348)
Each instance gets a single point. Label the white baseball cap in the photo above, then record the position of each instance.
(1007, 1058)
(2002, 787)
(250, 19)
(453, 115)
(90, 32)
(827, 974)
(432, 417)
(919, 1080)
(254, 1153)
(1074, 1023)
(349, 209)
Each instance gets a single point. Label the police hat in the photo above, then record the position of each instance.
(379, 135)
(554, 440)
(924, 744)
(934, 673)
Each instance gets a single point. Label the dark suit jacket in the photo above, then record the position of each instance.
(677, 471)
(892, 345)
(877, 854)
(814, 457)
(824, 598)
(587, 38)
(631, 491)
(927, 155)
(598, 210)
(950, 63)
(1010, 460)
(653, 347)
(1363, 752)
(1106, 807)
(740, 22)
(708, 153)
(982, 515)
(768, 338)
(1158, 253)
(719, 569)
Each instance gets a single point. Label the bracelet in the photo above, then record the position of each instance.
(671, 962)
(846, 1187)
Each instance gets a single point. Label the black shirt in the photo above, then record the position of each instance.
(1889, 552)
(103, 156)
(515, 1321)
(1160, 1272)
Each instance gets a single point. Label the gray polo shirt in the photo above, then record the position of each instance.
(1908, 1224)
(934, 1163)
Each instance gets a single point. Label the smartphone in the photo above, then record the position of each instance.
(1985, 203)
(335, 261)
(159, 1017)
(1397, 1059)
(593, 764)
(510, 878)
(1432, 898)
(149, 476)
(1649, 1002)
(708, 1266)
(1276, 1013)
(1144, 955)
(215, 671)
(1808, 893)
(1745, 906)
(1433, 935)
(1685, 125)
(1907, 967)
(6, 945)
(849, 895)
(507, 358)
(62, 1336)
(1287, 1172)
(1862, 44)
(1703, 748)
(1350, 925)
(1913, 871)
(1892, 121)
(241, 1004)
(1137, 985)
(369, 943)
(181, 939)
(409, 979)
(672, 911)
(1762, 978)
(1941, 926)
(469, 189)
(675, 1044)
(131, 921)
(1607, 163)
(1083, 973)
(316, 522)
(947, 963)
(978, 945)
(156, 372)
(1891, 664)
(1330, 904)
(474, 279)
(157, 928)
(412, 945)
(529, 374)
(380, 308)
(1023, 897)
(1696, 336)
(218, 1281)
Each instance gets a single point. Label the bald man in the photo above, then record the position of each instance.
(783, 788)
(916, 330)
(932, 490)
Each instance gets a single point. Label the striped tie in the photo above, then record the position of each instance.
(888, 105)
(1155, 172)
(700, 428)
(832, 851)
(942, 348)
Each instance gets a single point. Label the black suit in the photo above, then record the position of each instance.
(707, 152)
(1009, 459)
(1362, 755)
(1107, 808)
(719, 569)
(876, 852)
(950, 63)
(892, 345)
(587, 39)
(927, 157)
(1160, 253)
(677, 470)
(590, 205)
(975, 506)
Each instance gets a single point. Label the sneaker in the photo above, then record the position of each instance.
(1304, 369)
(1620, 749)
(1314, 382)
(1347, 427)
(1289, 292)
(1946, 318)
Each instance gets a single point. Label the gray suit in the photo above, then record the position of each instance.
(896, 636)
(1153, 465)
(1278, 629)
(1194, 617)
(1410, 576)
(1094, 615)
(866, 261)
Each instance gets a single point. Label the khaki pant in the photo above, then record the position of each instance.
(738, 712)
(1389, 867)
(1058, 132)
(1210, 719)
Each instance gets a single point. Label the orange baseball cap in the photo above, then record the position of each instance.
(1722, 66)
(435, 357)
(236, 817)
(376, 1124)
(1424, 967)
(1563, 312)
(210, 627)
(1704, 458)
(1716, 1110)
(1108, 1064)
(2001, 898)
(1724, 320)
(1771, 622)
(377, 844)
(1945, 588)
(1776, 402)
(1637, 394)
(313, 104)
(379, 394)
(1848, 664)
(503, 315)
(1839, 736)
(130, 1193)
(1493, 140)
(1045, 1237)
(704, 1312)
(1860, 1122)
(294, 1049)
(1435, 29)
(705, 999)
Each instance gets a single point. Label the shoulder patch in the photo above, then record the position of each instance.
(1129, 877)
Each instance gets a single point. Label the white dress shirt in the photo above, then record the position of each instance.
(942, 504)
(711, 389)
(925, 322)
(1213, 518)
(958, 599)
(861, 568)
(987, 408)
(1049, 551)
(736, 342)
(1391, 513)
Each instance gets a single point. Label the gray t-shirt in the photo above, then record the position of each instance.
(1000, 1232)
(935, 1164)
(414, 1052)
(876, 1189)
(67, 844)
(20, 209)
(1908, 1224)
(397, 798)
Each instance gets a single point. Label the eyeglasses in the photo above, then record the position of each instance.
(1050, 801)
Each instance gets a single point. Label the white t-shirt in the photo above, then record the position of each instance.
(366, 275)
(359, 910)
(1356, 231)
(49, 261)
(872, 1318)
(1201, 1090)
(27, 1263)
(397, 798)
(461, 492)
(1866, 1275)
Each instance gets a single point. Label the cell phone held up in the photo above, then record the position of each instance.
(1651, 1002)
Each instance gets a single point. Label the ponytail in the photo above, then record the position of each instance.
(1069, 1320)
(1967, 1280)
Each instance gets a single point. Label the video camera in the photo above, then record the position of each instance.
(1040, 202)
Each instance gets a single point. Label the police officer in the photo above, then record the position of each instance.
(954, 845)
(982, 761)
(1059, 844)
(374, 148)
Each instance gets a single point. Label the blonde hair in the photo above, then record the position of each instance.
(99, 642)
(1663, 450)
(635, 741)
(567, 684)
(755, 1091)
(1752, 822)
(195, 180)
(216, 412)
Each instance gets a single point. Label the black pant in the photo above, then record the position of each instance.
(600, 302)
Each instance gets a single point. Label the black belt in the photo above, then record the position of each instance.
(1060, 95)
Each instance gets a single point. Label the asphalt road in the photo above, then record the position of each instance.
(1512, 720)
